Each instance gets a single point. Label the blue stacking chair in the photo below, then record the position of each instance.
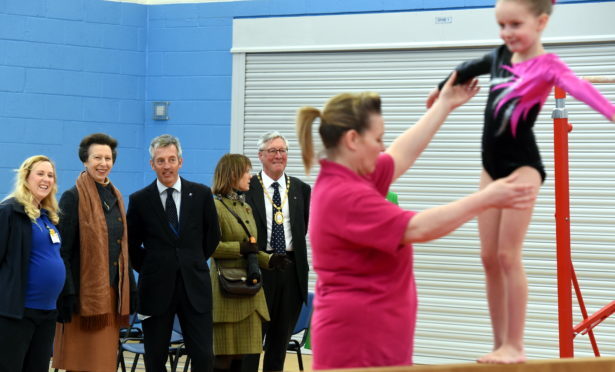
(135, 345)
(131, 340)
(303, 325)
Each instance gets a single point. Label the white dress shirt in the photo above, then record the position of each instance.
(267, 182)
(177, 194)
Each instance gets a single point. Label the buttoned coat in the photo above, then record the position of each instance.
(235, 309)
(15, 246)
(157, 253)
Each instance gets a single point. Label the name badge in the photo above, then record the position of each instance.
(55, 238)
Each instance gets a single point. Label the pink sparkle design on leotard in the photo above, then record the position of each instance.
(531, 83)
(529, 86)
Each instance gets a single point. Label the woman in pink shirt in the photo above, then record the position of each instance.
(361, 243)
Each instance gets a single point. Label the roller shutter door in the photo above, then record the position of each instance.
(453, 321)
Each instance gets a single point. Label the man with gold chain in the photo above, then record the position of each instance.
(281, 206)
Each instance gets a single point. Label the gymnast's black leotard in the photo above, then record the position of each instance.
(519, 91)
(501, 152)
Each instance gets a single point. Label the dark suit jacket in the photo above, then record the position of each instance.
(299, 207)
(158, 254)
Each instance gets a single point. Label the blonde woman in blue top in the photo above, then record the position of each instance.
(32, 272)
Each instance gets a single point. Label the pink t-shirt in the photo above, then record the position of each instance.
(365, 304)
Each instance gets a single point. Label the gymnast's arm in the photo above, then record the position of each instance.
(582, 90)
(410, 144)
(466, 71)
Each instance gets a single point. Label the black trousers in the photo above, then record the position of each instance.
(26, 344)
(284, 304)
(197, 329)
(230, 363)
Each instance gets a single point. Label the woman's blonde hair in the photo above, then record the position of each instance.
(229, 170)
(24, 196)
(343, 112)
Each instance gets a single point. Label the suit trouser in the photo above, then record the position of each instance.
(284, 301)
(197, 330)
(26, 344)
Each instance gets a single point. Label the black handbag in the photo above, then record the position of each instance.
(239, 281)
(234, 281)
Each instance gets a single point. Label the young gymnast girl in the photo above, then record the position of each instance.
(522, 76)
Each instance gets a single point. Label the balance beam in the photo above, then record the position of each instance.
(590, 364)
(600, 79)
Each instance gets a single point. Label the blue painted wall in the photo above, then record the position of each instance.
(72, 67)
(69, 68)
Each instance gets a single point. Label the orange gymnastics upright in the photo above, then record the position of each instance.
(566, 278)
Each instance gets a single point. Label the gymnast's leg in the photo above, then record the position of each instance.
(502, 234)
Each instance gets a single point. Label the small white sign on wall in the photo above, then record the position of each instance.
(443, 20)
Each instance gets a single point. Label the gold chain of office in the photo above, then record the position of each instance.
(278, 216)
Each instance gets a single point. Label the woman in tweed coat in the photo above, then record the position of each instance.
(237, 320)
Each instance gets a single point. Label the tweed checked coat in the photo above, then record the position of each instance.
(237, 320)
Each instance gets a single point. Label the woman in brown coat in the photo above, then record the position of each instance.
(96, 299)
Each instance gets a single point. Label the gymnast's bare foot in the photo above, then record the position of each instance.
(505, 354)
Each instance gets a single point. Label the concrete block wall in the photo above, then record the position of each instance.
(69, 68)
(189, 65)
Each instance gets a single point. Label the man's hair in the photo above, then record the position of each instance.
(164, 140)
(269, 136)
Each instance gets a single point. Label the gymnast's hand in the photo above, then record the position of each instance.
(510, 193)
(455, 95)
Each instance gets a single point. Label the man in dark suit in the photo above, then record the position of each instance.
(281, 207)
(172, 231)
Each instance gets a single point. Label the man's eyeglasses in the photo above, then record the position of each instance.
(272, 152)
